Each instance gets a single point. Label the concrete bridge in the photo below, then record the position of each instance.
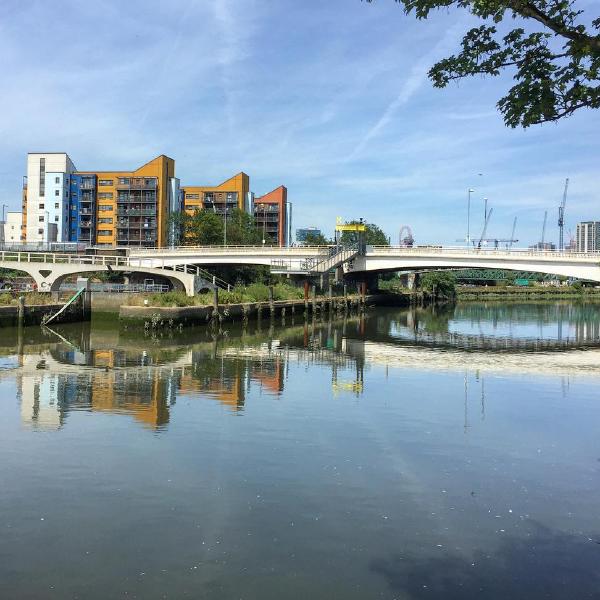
(182, 267)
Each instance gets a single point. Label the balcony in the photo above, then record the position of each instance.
(87, 185)
(135, 212)
(137, 183)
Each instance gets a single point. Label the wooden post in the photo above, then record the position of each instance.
(215, 301)
(271, 301)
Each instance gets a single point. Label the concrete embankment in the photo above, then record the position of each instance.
(156, 317)
(23, 314)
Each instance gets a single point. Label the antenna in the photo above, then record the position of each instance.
(561, 218)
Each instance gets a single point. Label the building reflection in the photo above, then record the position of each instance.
(138, 384)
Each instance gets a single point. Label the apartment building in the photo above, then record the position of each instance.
(222, 198)
(272, 215)
(105, 208)
(45, 196)
(13, 228)
(588, 236)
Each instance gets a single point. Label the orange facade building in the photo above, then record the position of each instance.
(271, 216)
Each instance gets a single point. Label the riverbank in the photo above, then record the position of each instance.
(509, 293)
(173, 317)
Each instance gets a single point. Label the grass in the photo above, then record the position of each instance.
(31, 298)
(255, 292)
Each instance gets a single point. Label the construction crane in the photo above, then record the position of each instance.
(485, 226)
(512, 235)
(544, 230)
(561, 218)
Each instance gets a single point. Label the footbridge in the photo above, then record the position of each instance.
(183, 267)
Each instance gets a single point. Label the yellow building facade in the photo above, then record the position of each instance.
(220, 198)
(132, 207)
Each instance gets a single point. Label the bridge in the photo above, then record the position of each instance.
(183, 266)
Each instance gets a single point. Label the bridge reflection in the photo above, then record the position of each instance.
(78, 368)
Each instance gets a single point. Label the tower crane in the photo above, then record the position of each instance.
(544, 230)
(561, 218)
(512, 235)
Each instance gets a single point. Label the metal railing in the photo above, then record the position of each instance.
(461, 250)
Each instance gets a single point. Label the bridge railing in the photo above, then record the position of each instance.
(57, 258)
(461, 250)
(294, 250)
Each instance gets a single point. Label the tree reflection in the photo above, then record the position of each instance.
(544, 564)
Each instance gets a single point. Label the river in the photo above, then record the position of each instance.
(407, 454)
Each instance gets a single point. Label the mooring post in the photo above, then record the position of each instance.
(306, 291)
(21, 311)
(271, 301)
(314, 298)
(215, 301)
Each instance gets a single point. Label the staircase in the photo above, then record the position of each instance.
(318, 265)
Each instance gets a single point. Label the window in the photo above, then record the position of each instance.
(57, 192)
(41, 206)
(56, 205)
(56, 219)
(41, 219)
(105, 182)
(105, 207)
(104, 233)
(124, 180)
(106, 220)
(40, 231)
(192, 196)
(57, 180)
(105, 195)
(42, 176)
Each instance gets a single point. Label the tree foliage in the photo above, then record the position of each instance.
(316, 239)
(438, 283)
(556, 62)
(206, 228)
(374, 235)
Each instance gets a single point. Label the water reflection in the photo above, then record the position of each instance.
(82, 368)
(342, 458)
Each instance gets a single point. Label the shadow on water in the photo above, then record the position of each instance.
(545, 564)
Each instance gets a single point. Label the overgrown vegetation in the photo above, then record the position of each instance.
(255, 292)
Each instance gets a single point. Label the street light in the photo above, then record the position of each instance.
(470, 191)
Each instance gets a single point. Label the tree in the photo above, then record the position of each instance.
(316, 239)
(374, 235)
(241, 229)
(556, 70)
(201, 228)
(438, 283)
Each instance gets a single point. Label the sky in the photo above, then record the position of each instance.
(330, 99)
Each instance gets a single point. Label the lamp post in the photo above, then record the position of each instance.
(264, 207)
(225, 228)
(470, 191)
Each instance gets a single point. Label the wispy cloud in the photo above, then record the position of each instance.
(410, 86)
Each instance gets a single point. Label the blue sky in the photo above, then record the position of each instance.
(329, 98)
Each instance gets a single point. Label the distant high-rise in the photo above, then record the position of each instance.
(303, 232)
(588, 236)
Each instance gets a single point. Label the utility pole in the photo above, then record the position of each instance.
(470, 191)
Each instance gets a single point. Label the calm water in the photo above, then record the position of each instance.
(411, 454)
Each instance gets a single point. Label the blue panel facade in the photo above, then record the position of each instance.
(82, 209)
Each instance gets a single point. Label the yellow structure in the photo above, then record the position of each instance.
(132, 207)
(224, 197)
(341, 226)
